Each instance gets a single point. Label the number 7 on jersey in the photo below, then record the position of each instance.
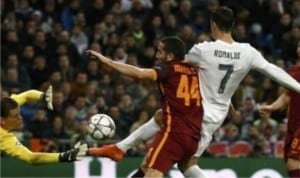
(229, 70)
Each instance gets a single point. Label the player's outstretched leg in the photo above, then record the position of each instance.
(194, 172)
(143, 133)
(190, 168)
(110, 151)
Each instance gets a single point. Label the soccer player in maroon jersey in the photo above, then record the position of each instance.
(292, 139)
(178, 138)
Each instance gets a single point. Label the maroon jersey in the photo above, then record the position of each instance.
(180, 98)
(294, 106)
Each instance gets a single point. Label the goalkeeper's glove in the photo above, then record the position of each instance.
(48, 97)
(75, 154)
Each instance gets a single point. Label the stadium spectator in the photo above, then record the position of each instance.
(58, 105)
(39, 127)
(11, 80)
(93, 70)
(39, 72)
(58, 131)
(70, 123)
(122, 128)
(27, 56)
(65, 68)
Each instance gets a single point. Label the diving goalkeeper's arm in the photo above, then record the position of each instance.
(12, 147)
(34, 96)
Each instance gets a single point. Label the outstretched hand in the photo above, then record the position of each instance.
(95, 55)
(75, 154)
(264, 109)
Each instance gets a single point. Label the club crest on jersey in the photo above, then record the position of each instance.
(18, 144)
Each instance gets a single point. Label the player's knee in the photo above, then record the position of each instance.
(150, 173)
(292, 164)
(183, 166)
(158, 117)
(193, 161)
(143, 168)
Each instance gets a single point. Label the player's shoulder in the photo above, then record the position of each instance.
(2, 131)
(5, 135)
(246, 46)
(201, 45)
(208, 44)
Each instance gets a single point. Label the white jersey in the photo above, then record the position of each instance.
(222, 67)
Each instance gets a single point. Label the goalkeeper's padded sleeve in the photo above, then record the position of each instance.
(29, 95)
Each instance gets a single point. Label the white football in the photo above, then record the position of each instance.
(101, 127)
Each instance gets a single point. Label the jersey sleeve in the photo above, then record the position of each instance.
(162, 71)
(258, 62)
(10, 145)
(194, 54)
(30, 95)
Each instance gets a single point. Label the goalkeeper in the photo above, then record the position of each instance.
(11, 119)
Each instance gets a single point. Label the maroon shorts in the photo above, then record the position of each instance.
(292, 145)
(168, 149)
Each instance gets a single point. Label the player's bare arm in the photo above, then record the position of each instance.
(281, 102)
(129, 70)
(232, 113)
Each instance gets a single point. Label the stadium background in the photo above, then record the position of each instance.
(43, 43)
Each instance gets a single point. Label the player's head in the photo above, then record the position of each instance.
(11, 118)
(221, 21)
(170, 48)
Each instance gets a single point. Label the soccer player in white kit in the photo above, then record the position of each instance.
(222, 66)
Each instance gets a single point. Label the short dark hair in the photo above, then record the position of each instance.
(224, 18)
(175, 45)
(7, 104)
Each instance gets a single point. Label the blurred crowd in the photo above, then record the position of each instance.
(43, 43)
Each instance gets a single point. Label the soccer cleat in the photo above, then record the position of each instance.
(109, 151)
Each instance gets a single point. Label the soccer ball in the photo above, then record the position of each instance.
(101, 127)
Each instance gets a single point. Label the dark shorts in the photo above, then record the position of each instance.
(292, 145)
(168, 149)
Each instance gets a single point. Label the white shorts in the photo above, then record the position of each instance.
(208, 129)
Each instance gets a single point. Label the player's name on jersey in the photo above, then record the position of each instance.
(225, 54)
(183, 69)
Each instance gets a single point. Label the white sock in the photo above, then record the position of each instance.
(144, 132)
(194, 172)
